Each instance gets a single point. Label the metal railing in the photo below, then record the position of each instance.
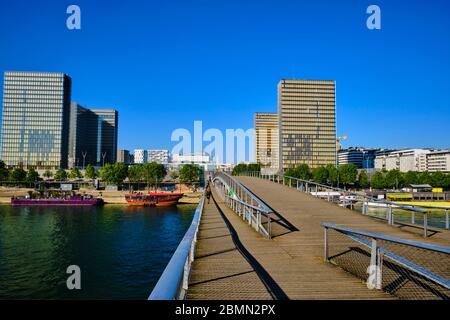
(173, 283)
(332, 194)
(243, 202)
(409, 269)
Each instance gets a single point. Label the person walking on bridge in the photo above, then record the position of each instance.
(208, 192)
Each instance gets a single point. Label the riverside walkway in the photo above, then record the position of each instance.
(233, 261)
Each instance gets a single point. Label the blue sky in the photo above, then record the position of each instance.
(164, 64)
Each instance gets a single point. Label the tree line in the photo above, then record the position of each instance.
(346, 175)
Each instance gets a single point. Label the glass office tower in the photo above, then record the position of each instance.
(266, 144)
(35, 119)
(307, 123)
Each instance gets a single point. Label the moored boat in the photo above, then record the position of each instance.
(77, 200)
(153, 199)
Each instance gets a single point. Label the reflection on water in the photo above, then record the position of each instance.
(436, 218)
(121, 250)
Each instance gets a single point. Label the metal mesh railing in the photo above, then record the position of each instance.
(406, 269)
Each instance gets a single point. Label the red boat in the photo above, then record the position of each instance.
(153, 199)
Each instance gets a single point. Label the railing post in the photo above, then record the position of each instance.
(375, 268)
(297, 184)
(413, 218)
(325, 244)
(447, 224)
(425, 224)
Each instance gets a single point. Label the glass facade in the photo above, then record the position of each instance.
(35, 119)
(93, 135)
(307, 122)
(266, 144)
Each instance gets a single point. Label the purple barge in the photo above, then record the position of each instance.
(62, 201)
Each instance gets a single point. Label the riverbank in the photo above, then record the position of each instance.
(110, 197)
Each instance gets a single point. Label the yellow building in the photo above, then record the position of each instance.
(307, 122)
(266, 144)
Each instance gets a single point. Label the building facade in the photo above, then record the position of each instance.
(435, 161)
(404, 160)
(266, 141)
(158, 156)
(93, 136)
(307, 123)
(124, 156)
(191, 158)
(140, 156)
(35, 119)
(362, 158)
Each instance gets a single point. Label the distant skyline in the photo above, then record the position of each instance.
(165, 65)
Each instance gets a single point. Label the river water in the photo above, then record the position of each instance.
(121, 250)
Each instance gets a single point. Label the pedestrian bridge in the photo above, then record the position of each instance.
(265, 238)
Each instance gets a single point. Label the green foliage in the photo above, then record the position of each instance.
(301, 171)
(174, 175)
(32, 176)
(320, 174)
(377, 181)
(114, 173)
(75, 173)
(61, 175)
(347, 174)
(90, 172)
(411, 177)
(363, 180)
(333, 174)
(153, 173)
(438, 180)
(135, 173)
(17, 174)
(189, 173)
(48, 174)
(4, 172)
(240, 168)
(393, 179)
(253, 167)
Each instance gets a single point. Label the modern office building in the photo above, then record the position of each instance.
(196, 158)
(435, 161)
(307, 123)
(158, 156)
(362, 158)
(140, 156)
(124, 156)
(266, 144)
(93, 136)
(35, 119)
(403, 160)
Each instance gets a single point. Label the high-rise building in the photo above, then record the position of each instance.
(93, 136)
(35, 119)
(362, 158)
(124, 156)
(266, 144)
(140, 156)
(158, 156)
(307, 123)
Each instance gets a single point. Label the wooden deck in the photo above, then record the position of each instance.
(235, 262)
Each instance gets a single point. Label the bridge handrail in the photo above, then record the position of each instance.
(172, 285)
(241, 205)
(377, 249)
(402, 206)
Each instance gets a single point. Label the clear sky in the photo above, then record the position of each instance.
(164, 64)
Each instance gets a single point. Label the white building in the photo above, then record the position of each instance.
(191, 158)
(158, 156)
(403, 160)
(140, 156)
(435, 161)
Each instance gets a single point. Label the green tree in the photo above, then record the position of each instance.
(425, 178)
(90, 172)
(174, 175)
(438, 179)
(410, 177)
(18, 174)
(363, 180)
(114, 173)
(393, 179)
(61, 175)
(377, 181)
(189, 173)
(48, 174)
(153, 173)
(32, 176)
(4, 172)
(135, 173)
(320, 174)
(254, 167)
(75, 173)
(240, 168)
(347, 174)
(333, 174)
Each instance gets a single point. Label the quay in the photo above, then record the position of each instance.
(261, 239)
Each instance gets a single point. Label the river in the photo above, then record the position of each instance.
(121, 250)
